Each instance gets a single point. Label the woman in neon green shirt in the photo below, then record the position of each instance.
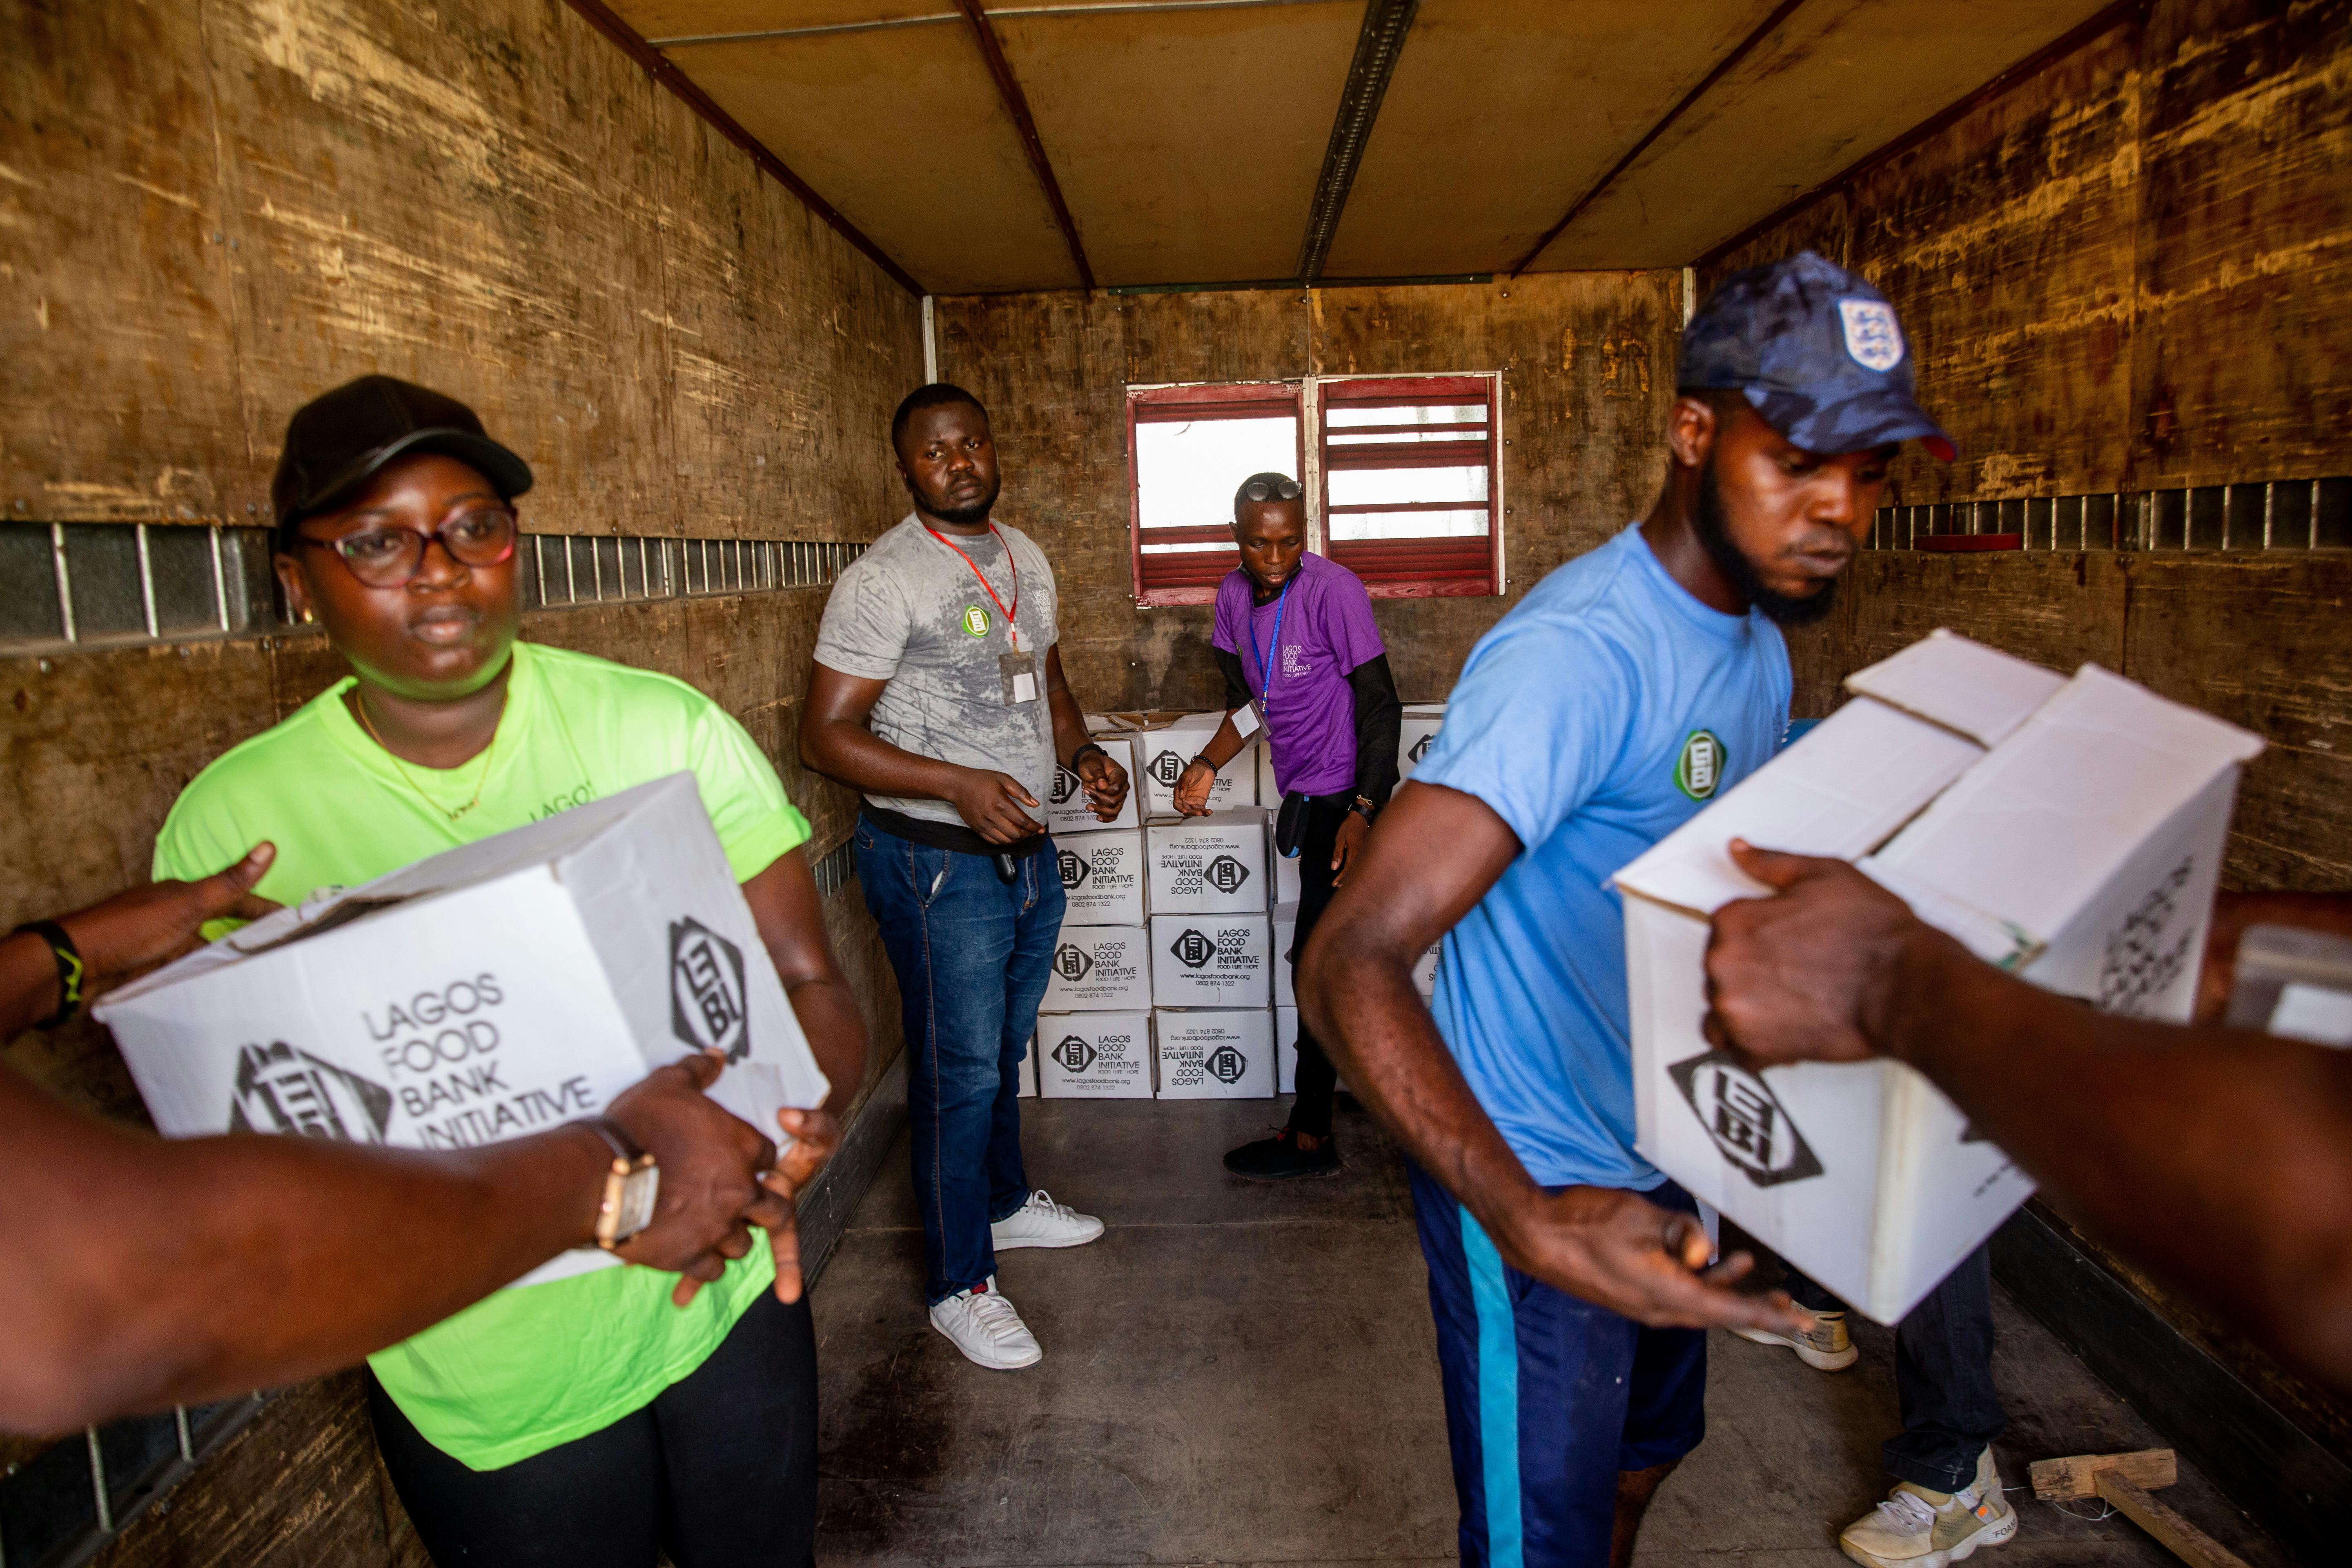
(601, 1418)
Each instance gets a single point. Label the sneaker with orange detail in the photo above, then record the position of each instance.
(1916, 1528)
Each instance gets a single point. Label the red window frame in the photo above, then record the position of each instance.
(1192, 577)
(1435, 566)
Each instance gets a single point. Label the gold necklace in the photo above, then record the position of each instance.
(358, 700)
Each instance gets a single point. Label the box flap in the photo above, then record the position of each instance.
(1842, 790)
(1949, 680)
(2045, 819)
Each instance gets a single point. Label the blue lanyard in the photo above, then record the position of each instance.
(1266, 670)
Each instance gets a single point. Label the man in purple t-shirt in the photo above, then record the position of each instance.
(1302, 659)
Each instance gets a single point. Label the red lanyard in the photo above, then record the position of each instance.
(1012, 617)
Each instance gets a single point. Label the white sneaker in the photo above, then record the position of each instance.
(1042, 1222)
(1916, 1528)
(1826, 1348)
(983, 1325)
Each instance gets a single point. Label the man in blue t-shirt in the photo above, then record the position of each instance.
(1569, 1278)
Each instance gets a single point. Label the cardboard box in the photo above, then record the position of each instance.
(494, 990)
(1102, 877)
(1029, 1071)
(1284, 868)
(2070, 831)
(1286, 1050)
(1207, 865)
(1210, 961)
(1285, 928)
(1422, 722)
(1066, 811)
(1216, 1054)
(1100, 969)
(1095, 1056)
(1424, 971)
(1269, 794)
(1169, 746)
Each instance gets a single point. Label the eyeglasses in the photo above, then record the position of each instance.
(390, 557)
(1277, 489)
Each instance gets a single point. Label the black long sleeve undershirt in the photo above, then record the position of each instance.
(1380, 718)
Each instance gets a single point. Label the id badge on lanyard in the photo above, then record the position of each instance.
(1019, 671)
(1016, 671)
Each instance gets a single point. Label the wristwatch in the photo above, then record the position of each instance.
(631, 1184)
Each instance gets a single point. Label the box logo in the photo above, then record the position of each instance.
(1192, 950)
(708, 1007)
(282, 1089)
(975, 621)
(1749, 1126)
(1168, 767)
(1871, 335)
(1699, 769)
(1066, 787)
(1075, 869)
(1073, 1054)
(1227, 1065)
(1071, 962)
(1420, 749)
(1225, 874)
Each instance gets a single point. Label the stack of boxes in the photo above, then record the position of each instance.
(1170, 979)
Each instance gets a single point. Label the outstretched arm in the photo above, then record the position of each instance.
(2218, 1158)
(1432, 856)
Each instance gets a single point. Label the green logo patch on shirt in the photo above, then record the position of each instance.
(1700, 767)
(975, 620)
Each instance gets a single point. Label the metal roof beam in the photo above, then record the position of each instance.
(1017, 104)
(1386, 23)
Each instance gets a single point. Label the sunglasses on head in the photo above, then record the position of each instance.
(1272, 490)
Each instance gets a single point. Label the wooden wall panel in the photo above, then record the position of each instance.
(481, 194)
(1587, 376)
(2243, 367)
(115, 291)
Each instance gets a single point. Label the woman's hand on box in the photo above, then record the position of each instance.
(813, 1137)
(711, 1162)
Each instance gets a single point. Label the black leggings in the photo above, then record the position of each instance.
(719, 1470)
(1317, 1078)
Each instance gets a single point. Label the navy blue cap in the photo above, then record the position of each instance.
(1819, 353)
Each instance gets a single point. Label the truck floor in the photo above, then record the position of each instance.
(1246, 1374)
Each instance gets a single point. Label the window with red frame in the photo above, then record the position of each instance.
(1409, 501)
(1189, 448)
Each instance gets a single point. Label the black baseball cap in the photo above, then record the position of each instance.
(339, 440)
(1819, 353)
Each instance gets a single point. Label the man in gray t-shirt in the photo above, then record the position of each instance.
(937, 693)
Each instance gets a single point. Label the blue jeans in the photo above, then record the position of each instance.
(971, 955)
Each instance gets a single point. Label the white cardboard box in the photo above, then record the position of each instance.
(1102, 877)
(1420, 726)
(1284, 868)
(1100, 969)
(1165, 752)
(1210, 961)
(2070, 831)
(1424, 971)
(1029, 1071)
(1286, 1050)
(1095, 1056)
(1207, 865)
(491, 990)
(1216, 1054)
(1286, 927)
(1269, 794)
(1066, 811)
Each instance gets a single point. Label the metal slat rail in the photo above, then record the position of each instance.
(71, 584)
